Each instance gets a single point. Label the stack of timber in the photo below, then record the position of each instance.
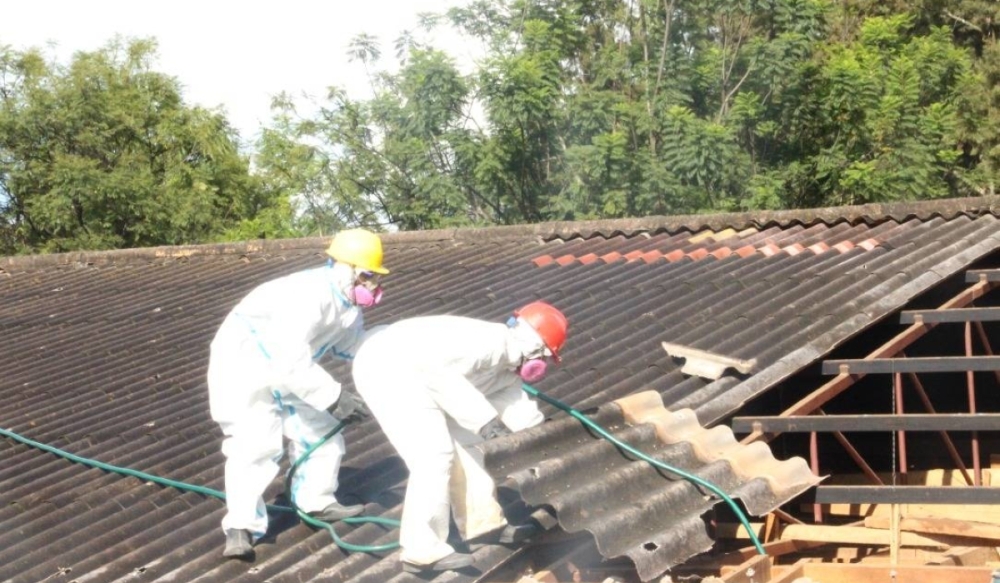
(856, 543)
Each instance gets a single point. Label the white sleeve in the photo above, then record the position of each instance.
(461, 400)
(349, 341)
(517, 410)
(284, 338)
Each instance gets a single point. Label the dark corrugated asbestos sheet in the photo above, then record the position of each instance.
(631, 508)
(105, 356)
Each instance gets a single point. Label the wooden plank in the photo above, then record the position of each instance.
(954, 315)
(834, 573)
(788, 574)
(881, 555)
(979, 512)
(773, 549)
(735, 530)
(895, 534)
(908, 422)
(755, 569)
(957, 315)
(932, 477)
(906, 495)
(914, 365)
(892, 347)
(968, 556)
(856, 535)
(948, 526)
(982, 275)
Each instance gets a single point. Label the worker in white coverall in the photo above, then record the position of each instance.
(437, 385)
(265, 382)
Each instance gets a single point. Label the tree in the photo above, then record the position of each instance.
(615, 108)
(102, 153)
(402, 159)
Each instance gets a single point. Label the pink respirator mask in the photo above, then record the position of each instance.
(367, 291)
(533, 370)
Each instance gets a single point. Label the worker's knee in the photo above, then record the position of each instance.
(251, 451)
(254, 446)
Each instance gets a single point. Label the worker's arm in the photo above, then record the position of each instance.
(461, 400)
(310, 382)
(517, 410)
(284, 337)
(347, 342)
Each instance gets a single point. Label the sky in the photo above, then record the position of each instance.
(236, 55)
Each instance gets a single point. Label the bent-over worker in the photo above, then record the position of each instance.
(437, 385)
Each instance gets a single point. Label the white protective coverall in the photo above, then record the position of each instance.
(264, 381)
(432, 383)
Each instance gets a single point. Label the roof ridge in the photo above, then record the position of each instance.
(83, 258)
(871, 213)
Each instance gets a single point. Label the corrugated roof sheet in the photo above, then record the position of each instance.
(105, 356)
(630, 507)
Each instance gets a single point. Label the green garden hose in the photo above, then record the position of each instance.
(120, 470)
(222, 496)
(377, 519)
(656, 463)
(352, 520)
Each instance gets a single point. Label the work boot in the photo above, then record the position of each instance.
(515, 533)
(446, 563)
(238, 545)
(338, 511)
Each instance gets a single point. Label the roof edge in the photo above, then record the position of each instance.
(875, 212)
(84, 258)
(898, 211)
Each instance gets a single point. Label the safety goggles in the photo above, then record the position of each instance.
(542, 352)
(369, 279)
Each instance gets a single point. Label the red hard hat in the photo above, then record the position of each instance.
(548, 321)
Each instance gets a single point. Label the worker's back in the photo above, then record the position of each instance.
(442, 343)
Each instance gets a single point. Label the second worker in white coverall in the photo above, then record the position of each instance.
(265, 382)
(437, 385)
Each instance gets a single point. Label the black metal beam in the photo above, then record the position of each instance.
(928, 364)
(906, 495)
(989, 274)
(953, 315)
(830, 423)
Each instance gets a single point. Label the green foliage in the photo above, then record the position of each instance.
(102, 153)
(600, 108)
(589, 109)
(402, 158)
(580, 109)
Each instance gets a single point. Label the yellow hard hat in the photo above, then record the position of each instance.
(358, 247)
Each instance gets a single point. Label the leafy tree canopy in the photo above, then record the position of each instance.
(586, 109)
(103, 153)
(578, 109)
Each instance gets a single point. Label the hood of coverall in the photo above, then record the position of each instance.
(343, 279)
(525, 341)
